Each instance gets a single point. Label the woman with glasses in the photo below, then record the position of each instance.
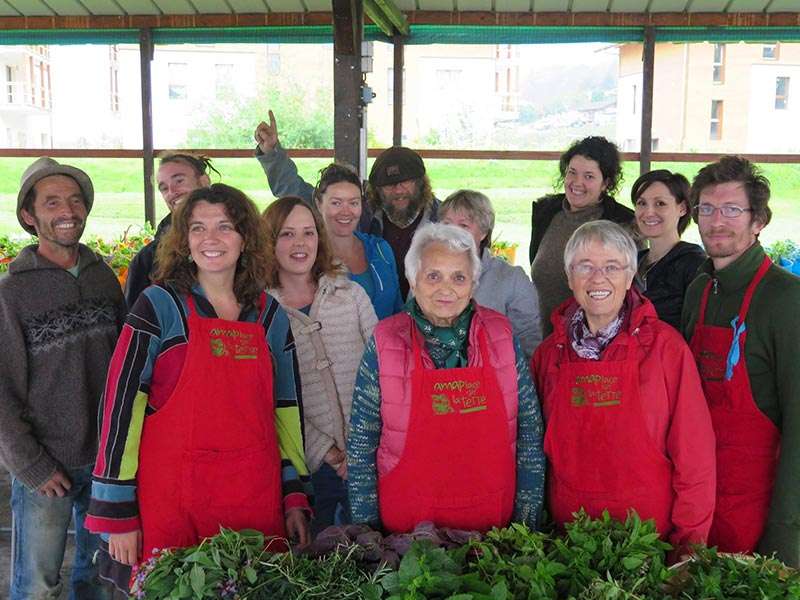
(626, 424)
(661, 203)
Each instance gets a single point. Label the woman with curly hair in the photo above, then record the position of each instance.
(200, 417)
(590, 171)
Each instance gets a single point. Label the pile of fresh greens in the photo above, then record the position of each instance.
(235, 565)
(594, 559)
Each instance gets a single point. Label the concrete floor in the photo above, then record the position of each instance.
(5, 541)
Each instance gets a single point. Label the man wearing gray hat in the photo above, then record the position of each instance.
(398, 189)
(61, 310)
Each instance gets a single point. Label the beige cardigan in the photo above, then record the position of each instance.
(330, 342)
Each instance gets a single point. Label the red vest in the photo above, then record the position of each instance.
(448, 442)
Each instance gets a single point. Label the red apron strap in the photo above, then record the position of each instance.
(751, 289)
(701, 318)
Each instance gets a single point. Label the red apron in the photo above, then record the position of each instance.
(601, 456)
(457, 467)
(209, 457)
(748, 443)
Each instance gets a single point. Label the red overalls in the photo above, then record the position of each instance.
(457, 468)
(748, 443)
(209, 457)
(601, 456)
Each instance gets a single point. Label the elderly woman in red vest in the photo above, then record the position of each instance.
(445, 424)
(627, 424)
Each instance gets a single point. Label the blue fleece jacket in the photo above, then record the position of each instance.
(385, 292)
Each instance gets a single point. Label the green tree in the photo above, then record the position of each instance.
(305, 120)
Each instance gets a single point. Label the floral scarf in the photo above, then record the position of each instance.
(591, 345)
(446, 345)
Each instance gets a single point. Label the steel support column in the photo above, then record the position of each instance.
(146, 58)
(648, 60)
(348, 28)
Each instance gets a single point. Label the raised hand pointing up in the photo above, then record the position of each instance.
(266, 136)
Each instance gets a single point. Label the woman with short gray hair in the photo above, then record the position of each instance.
(501, 287)
(445, 424)
(628, 427)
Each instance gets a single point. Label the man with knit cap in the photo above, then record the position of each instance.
(61, 310)
(398, 189)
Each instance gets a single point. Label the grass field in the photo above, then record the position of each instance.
(511, 185)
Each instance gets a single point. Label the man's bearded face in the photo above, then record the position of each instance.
(402, 202)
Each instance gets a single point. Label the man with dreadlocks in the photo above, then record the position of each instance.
(178, 175)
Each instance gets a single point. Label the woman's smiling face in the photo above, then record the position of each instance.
(583, 182)
(296, 246)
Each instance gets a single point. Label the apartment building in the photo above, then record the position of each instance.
(26, 100)
(708, 97)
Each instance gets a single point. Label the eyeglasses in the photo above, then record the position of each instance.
(585, 270)
(729, 211)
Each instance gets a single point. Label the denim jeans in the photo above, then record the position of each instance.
(331, 506)
(39, 537)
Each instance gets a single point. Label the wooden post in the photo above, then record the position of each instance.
(348, 28)
(397, 101)
(649, 60)
(146, 58)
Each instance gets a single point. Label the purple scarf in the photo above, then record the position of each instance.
(591, 345)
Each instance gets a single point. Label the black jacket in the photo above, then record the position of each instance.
(545, 208)
(666, 282)
(141, 266)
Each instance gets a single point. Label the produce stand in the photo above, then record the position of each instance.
(593, 559)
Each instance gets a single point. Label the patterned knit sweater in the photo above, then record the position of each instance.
(329, 341)
(57, 332)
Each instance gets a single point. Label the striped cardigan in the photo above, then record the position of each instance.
(329, 342)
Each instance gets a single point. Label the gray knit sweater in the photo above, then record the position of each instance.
(57, 334)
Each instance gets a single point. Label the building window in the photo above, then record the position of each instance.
(781, 93)
(178, 77)
(448, 80)
(274, 58)
(223, 78)
(10, 84)
(716, 120)
(654, 144)
(719, 63)
(769, 52)
(113, 76)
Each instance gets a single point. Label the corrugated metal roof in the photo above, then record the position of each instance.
(191, 7)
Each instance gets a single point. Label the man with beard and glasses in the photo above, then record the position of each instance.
(398, 189)
(179, 174)
(741, 318)
(61, 310)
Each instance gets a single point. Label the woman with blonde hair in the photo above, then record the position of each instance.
(332, 318)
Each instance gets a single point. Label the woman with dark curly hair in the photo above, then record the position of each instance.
(200, 415)
(661, 202)
(591, 172)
